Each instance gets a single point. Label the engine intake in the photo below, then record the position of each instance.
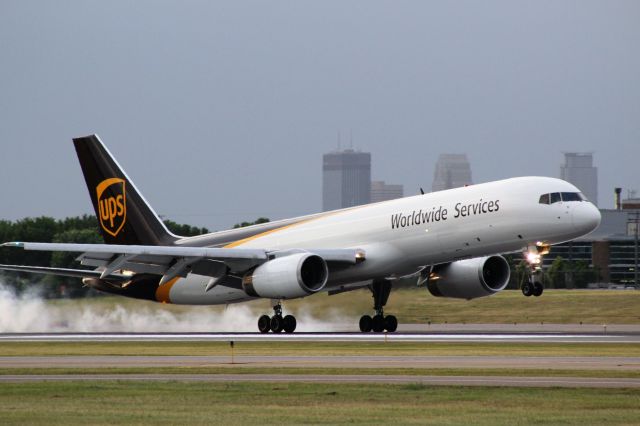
(287, 277)
(470, 278)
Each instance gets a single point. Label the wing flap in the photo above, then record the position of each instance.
(64, 272)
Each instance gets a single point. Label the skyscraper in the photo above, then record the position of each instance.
(346, 179)
(452, 171)
(381, 191)
(578, 169)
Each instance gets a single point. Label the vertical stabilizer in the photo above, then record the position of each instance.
(123, 214)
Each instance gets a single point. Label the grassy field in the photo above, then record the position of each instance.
(417, 306)
(107, 403)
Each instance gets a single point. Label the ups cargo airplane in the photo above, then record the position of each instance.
(450, 241)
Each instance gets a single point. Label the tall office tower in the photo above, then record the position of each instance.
(381, 191)
(346, 179)
(452, 171)
(578, 169)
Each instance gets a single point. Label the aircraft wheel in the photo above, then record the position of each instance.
(390, 323)
(289, 323)
(377, 324)
(538, 288)
(365, 323)
(277, 323)
(264, 324)
(527, 289)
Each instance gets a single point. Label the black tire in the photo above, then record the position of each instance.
(264, 324)
(390, 323)
(277, 323)
(365, 323)
(289, 323)
(538, 288)
(377, 324)
(527, 289)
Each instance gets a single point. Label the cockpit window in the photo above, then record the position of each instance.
(556, 197)
(572, 196)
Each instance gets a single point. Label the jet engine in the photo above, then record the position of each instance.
(288, 277)
(470, 278)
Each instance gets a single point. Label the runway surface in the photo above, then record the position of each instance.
(377, 362)
(547, 337)
(567, 382)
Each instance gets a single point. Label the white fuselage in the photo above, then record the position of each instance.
(401, 236)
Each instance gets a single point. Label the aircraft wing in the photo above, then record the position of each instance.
(168, 261)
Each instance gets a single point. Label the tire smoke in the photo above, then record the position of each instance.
(30, 313)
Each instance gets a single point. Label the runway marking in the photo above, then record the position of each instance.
(324, 337)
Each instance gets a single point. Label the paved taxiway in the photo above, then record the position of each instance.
(571, 382)
(378, 362)
(373, 362)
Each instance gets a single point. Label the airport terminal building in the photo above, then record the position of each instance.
(610, 249)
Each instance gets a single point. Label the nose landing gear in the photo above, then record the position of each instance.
(533, 256)
(532, 288)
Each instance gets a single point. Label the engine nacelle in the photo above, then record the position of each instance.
(288, 277)
(470, 278)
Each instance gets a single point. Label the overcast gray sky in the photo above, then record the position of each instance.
(221, 111)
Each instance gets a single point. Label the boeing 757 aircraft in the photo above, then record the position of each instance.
(450, 241)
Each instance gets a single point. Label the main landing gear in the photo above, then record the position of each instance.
(277, 323)
(533, 256)
(380, 290)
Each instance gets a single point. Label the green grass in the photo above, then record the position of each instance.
(317, 348)
(108, 403)
(417, 306)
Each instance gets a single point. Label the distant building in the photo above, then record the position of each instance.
(578, 169)
(346, 179)
(452, 171)
(631, 203)
(609, 249)
(381, 191)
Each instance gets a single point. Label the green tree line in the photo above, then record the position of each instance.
(81, 229)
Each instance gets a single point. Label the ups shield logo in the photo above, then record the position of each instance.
(112, 205)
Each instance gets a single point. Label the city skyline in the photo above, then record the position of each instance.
(221, 111)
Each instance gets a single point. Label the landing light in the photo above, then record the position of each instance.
(533, 258)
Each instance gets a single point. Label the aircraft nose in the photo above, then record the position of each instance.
(586, 217)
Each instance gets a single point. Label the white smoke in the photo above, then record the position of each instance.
(30, 313)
